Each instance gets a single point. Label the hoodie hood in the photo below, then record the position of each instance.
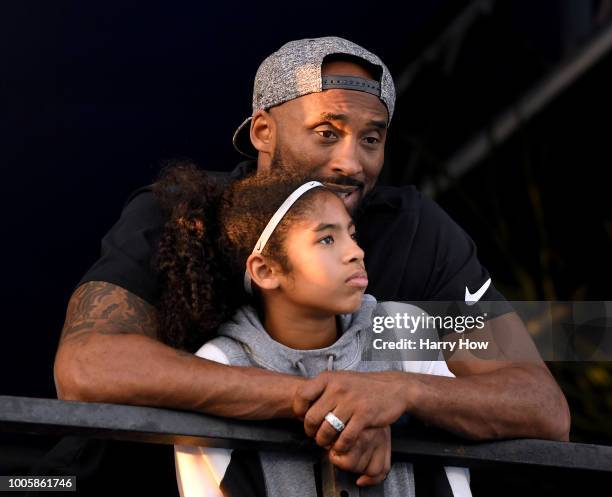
(246, 329)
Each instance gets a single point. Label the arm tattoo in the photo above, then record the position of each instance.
(108, 309)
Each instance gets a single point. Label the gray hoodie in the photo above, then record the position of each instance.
(243, 341)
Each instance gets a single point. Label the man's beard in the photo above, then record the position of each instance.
(280, 161)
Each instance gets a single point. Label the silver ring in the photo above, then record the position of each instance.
(333, 420)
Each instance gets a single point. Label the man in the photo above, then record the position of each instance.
(323, 105)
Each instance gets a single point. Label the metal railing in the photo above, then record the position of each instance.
(25, 415)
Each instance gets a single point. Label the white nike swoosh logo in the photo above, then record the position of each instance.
(472, 298)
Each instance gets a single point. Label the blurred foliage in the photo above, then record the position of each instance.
(541, 266)
(587, 385)
(588, 388)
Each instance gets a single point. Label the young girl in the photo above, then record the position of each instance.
(274, 261)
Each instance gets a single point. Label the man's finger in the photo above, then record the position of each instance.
(388, 454)
(313, 388)
(326, 433)
(315, 416)
(348, 437)
(306, 394)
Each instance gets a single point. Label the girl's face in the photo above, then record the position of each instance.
(327, 267)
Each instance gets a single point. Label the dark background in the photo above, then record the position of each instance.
(95, 95)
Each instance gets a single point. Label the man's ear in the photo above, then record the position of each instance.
(263, 132)
(264, 274)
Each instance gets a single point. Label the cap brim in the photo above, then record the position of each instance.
(242, 140)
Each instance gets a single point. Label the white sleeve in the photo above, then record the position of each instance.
(212, 353)
(199, 470)
(459, 481)
(437, 368)
(458, 478)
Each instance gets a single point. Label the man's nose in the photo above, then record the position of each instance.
(345, 161)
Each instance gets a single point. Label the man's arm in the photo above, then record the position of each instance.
(489, 399)
(108, 352)
(518, 395)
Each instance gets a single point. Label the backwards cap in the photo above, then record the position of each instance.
(295, 70)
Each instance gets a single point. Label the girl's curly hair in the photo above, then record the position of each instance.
(211, 230)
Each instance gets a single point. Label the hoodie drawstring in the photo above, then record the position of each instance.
(300, 365)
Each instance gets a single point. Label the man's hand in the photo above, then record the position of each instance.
(359, 400)
(370, 456)
(488, 399)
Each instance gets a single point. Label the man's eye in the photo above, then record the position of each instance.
(371, 140)
(327, 133)
(355, 236)
(328, 240)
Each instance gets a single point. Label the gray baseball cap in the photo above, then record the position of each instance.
(294, 70)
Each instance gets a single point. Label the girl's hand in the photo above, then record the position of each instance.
(370, 456)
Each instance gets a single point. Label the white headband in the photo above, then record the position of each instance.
(273, 223)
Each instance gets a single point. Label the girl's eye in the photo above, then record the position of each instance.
(328, 240)
(354, 236)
